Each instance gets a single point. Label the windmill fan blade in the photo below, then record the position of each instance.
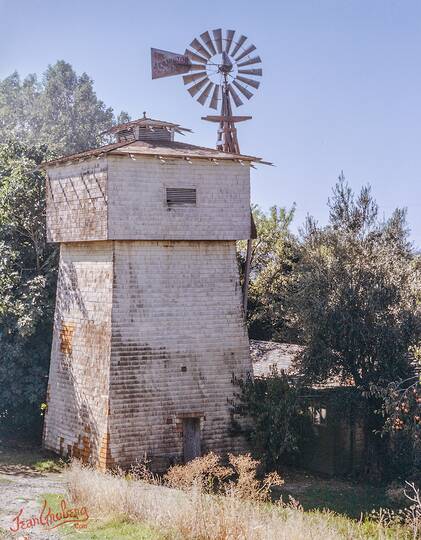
(254, 60)
(238, 45)
(257, 72)
(205, 94)
(197, 67)
(243, 90)
(214, 101)
(217, 36)
(229, 38)
(195, 57)
(208, 41)
(246, 52)
(235, 96)
(199, 48)
(194, 77)
(196, 87)
(250, 82)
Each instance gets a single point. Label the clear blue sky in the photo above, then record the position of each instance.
(341, 85)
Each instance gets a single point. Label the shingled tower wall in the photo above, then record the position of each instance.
(149, 328)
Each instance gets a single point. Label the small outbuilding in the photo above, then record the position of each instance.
(337, 442)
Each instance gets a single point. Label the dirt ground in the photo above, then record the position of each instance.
(24, 480)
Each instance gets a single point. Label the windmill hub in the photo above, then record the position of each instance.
(219, 71)
(227, 65)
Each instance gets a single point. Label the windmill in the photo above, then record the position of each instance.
(219, 71)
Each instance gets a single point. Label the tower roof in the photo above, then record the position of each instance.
(158, 149)
(155, 138)
(148, 124)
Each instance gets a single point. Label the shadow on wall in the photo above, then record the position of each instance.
(78, 363)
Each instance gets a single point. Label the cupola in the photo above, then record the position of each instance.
(146, 129)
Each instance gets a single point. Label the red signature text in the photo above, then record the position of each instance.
(50, 519)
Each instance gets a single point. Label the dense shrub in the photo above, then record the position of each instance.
(270, 414)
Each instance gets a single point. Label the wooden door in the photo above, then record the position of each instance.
(191, 438)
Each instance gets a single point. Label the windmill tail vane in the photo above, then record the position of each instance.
(215, 71)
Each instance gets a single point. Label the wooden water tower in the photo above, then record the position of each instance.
(149, 326)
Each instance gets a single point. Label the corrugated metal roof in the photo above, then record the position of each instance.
(154, 148)
(265, 354)
(268, 354)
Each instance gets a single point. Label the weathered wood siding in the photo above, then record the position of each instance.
(138, 208)
(77, 201)
(178, 337)
(149, 327)
(117, 198)
(157, 335)
(77, 414)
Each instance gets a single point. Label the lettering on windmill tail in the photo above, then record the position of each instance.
(165, 63)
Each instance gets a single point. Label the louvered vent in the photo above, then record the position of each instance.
(156, 135)
(181, 196)
(125, 135)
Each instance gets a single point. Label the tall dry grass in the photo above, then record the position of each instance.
(208, 502)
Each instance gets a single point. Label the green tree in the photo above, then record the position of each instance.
(354, 296)
(401, 409)
(27, 286)
(274, 255)
(269, 412)
(60, 114)
(61, 111)
(19, 106)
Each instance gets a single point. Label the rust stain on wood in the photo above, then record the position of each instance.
(105, 458)
(66, 338)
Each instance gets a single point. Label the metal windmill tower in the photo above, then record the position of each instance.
(215, 69)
